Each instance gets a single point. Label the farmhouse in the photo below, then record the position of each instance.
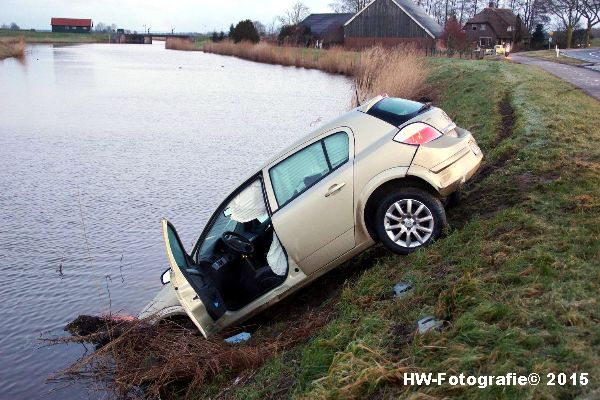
(327, 28)
(389, 23)
(494, 26)
(71, 25)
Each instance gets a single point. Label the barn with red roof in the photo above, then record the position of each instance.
(71, 25)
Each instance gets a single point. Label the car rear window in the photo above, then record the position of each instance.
(395, 111)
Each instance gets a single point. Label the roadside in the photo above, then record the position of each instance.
(590, 55)
(550, 55)
(586, 79)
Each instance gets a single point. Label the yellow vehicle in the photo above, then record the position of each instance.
(502, 49)
(379, 173)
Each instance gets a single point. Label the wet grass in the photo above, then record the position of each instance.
(516, 278)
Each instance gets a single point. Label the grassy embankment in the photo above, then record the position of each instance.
(550, 55)
(12, 48)
(55, 37)
(516, 277)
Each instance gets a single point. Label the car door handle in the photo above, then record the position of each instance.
(335, 188)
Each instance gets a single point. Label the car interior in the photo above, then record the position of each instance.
(240, 253)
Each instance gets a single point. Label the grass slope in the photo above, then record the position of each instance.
(516, 277)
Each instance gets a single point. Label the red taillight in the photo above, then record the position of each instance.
(417, 133)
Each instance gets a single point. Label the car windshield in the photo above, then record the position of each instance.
(395, 111)
(247, 206)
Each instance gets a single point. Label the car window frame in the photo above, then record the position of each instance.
(297, 150)
(223, 206)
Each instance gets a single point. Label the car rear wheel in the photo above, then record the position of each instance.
(409, 219)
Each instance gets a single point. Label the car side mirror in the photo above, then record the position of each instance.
(166, 277)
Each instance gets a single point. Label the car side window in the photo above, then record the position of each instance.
(337, 149)
(303, 169)
(298, 172)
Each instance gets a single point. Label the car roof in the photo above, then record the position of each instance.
(353, 119)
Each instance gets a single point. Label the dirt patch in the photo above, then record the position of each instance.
(475, 194)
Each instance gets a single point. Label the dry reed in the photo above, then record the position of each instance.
(335, 60)
(398, 72)
(12, 48)
(174, 43)
(169, 356)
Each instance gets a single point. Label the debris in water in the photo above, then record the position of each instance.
(428, 323)
(240, 337)
(98, 330)
(401, 289)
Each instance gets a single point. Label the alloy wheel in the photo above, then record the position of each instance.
(409, 223)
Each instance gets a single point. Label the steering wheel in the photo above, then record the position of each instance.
(237, 243)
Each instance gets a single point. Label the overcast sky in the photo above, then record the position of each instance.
(160, 15)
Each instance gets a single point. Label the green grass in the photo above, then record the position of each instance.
(517, 276)
(52, 37)
(550, 55)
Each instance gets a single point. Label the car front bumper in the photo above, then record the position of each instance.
(460, 159)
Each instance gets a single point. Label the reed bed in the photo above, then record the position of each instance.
(335, 60)
(399, 71)
(173, 43)
(12, 48)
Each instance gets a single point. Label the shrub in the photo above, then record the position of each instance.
(245, 31)
(453, 37)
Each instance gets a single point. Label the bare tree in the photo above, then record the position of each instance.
(295, 15)
(569, 12)
(260, 28)
(14, 26)
(348, 6)
(591, 12)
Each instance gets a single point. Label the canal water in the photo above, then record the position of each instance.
(97, 143)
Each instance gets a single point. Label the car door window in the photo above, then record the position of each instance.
(337, 149)
(294, 175)
(298, 172)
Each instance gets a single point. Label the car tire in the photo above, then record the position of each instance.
(409, 219)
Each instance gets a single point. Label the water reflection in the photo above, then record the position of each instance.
(114, 137)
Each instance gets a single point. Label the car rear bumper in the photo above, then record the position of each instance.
(461, 158)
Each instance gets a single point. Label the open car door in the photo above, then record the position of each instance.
(195, 290)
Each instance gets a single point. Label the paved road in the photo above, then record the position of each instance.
(592, 54)
(586, 79)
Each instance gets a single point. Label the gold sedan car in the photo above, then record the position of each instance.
(379, 173)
